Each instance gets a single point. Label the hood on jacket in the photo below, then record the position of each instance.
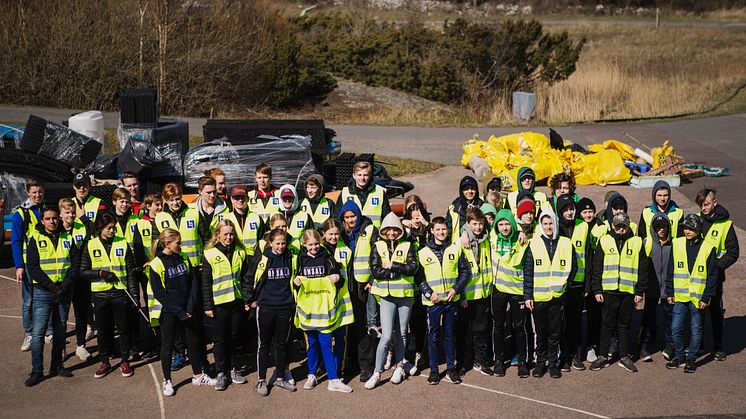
(350, 205)
(506, 214)
(525, 171)
(488, 209)
(546, 212)
(495, 184)
(391, 220)
(660, 217)
(291, 188)
(220, 205)
(468, 181)
(613, 200)
(318, 179)
(461, 204)
(662, 184)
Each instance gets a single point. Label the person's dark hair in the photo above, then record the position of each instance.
(416, 207)
(129, 175)
(30, 183)
(104, 220)
(702, 195)
(264, 169)
(475, 214)
(51, 208)
(272, 235)
(206, 181)
(439, 220)
(556, 181)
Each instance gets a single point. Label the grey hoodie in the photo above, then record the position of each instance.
(659, 255)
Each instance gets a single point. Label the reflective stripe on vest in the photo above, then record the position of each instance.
(191, 244)
(509, 270)
(689, 286)
(322, 213)
(114, 261)
(620, 271)
(248, 233)
(480, 283)
(579, 240)
(257, 205)
(440, 275)
(226, 274)
(673, 217)
(401, 286)
(551, 275)
(361, 257)
(54, 262)
(373, 207)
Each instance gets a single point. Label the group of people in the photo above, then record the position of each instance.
(499, 281)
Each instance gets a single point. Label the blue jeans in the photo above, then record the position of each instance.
(448, 312)
(371, 311)
(322, 342)
(27, 313)
(696, 320)
(47, 306)
(393, 309)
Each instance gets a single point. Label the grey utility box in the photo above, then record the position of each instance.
(524, 105)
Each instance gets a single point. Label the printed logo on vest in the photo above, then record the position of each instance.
(253, 225)
(66, 244)
(375, 201)
(119, 252)
(563, 263)
(164, 224)
(275, 201)
(146, 232)
(220, 217)
(537, 262)
(96, 253)
(78, 237)
(578, 243)
(700, 268)
(451, 256)
(190, 224)
(325, 211)
(629, 251)
(300, 224)
(714, 232)
(399, 252)
(132, 228)
(90, 215)
(43, 244)
(343, 254)
(681, 264)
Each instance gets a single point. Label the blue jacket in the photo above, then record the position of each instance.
(18, 232)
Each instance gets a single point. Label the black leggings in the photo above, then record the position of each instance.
(229, 318)
(170, 326)
(274, 329)
(112, 307)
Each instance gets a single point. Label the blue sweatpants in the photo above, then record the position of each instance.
(447, 311)
(322, 342)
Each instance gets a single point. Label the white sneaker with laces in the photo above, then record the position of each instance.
(237, 378)
(373, 381)
(26, 345)
(398, 375)
(89, 333)
(311, 382)
(389, 361)
(168, 388)
(338, 385)
(591, 355)
(204, 380)
(288, 376)
(82, 353)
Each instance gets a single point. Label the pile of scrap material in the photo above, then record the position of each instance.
(609, 163)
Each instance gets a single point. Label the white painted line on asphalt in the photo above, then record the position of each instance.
(157, 391)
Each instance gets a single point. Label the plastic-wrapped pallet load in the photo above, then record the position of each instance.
(290, 158)
(13, 191)
(59, 142)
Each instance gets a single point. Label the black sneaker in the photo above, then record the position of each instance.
(565, 367)
(452, 377)
(499, 369)
(627, 364)
(613, 347)
(523, 370)
(484, 369)
(34, 378)
(720, 356)
(645, 355)
(555, 371)
(599, 363)
(365, 375)
(577, 364)
(62, 372)
(539, 371)
(673, 364)
(433, 378)
(461, 371)
(690, 367)
(669, 352)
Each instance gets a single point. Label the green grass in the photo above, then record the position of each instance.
(402, 167)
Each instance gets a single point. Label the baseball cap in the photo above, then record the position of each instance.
(287, 193)
(81, 179)
(620, 219)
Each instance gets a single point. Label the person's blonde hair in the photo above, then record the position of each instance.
(276, 217)
(222, 223)
(66, 203)
(167, 236)
(362, 165)
(120, 193)
(308, 234)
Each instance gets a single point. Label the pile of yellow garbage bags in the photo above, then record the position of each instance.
(505, 155)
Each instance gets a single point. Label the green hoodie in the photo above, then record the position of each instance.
(489, 209)
(500, 243)
(521, 172)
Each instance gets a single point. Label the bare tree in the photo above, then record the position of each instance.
(163, 10)
(142, 9)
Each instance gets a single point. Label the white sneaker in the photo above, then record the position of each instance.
(168, 388)
(204, 380)
(26, 345)
(591, 355)
(389, 361)
(89, 333)
(288, 376)
(237, 378)
(338, 385)
(311, 382)
(373, 381)
(398, 375)
(48, 338)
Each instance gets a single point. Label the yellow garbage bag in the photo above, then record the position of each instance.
(603, 168)
(473, 147)
(627, 152)
(659, 154)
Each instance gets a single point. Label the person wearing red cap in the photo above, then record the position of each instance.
(298, 221)
(249, 225)
(525, 216)
(526, 183)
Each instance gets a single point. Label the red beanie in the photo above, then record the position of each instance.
(525, 206)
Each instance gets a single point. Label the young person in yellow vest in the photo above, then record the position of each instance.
(658, 249)
(562, 184)
(468, 198)
(720, 232)
(617, 204)
(298, 220)
(393, 263)
(187, 221)
(225, 267)
(211, 208)
(445, 273)
(108, 265)
(172, 302)
(525, 213)
(587, 211)
(152, 205)
(506, 303)
(369, 197)
(126, 221)
(25, 220)
(662, 202)
(50, 262)
(81, 290)
(358, 234)
(87, 206)
(579, 234)
(276, 221)
(619, 280)
(493, 193)
(323, 308)
(131, 183)
(690, 284)
(268, 289)
(248, 225)
(330, 231)
(221, 189)
(526, 182)
(550, 264)
(474, 318)
(319, 207)
(264, 200)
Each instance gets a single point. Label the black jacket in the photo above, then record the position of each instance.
(528, 266)
(598, 266)
(90, 275)
(206, 274)
(34, 268)
(461, 205)
(692, 249)
(181, 291)
(397, 269)
(464, 271)
(731, 241)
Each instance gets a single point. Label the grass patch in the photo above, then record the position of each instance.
(398, 167)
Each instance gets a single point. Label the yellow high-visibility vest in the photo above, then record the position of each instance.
(440, 275)
(373, 206)
(673, 217)
(620, 268)
(480, 283)
(188, 228)
(689, 286)
(226, 274)
(155, 308)
(322, 213)
(257, 205)
(113, 261)
(401, 286)
(53, 261)
(508, 270)
(248, 233)
(551, 275)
